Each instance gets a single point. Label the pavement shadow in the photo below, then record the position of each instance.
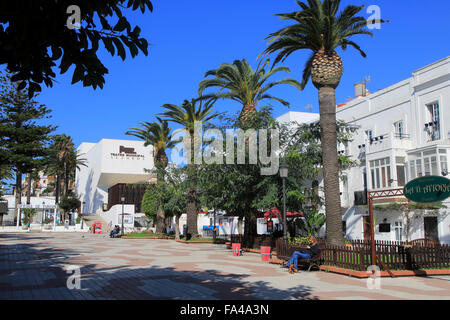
(29, 270)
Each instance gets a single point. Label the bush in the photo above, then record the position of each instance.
(299, 241)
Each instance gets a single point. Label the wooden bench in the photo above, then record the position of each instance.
(314, 261)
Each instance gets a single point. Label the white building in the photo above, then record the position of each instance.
(112, 164)
(404, 133)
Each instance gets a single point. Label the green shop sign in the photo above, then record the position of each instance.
(427, 189)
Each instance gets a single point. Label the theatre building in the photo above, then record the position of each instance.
(115, 168)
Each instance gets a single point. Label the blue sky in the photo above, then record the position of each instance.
(189, 38)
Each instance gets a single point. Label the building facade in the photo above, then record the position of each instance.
(111, 165)
(403, 133)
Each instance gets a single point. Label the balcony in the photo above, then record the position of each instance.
(389, 141)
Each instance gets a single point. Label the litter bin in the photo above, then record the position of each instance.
(97, 227)
(265, 253)
(236, 247)
(185, 230)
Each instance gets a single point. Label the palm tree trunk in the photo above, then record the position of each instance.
(191, 213)
(250, 231)
(18, 195)
(66, 180)
(58, 187)
(191, 205)
(29, 188)
(327, 106)
(177, 230)
(246, 113)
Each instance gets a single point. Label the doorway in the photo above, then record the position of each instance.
(431, 228)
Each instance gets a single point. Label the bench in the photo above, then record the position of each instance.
(314, 261)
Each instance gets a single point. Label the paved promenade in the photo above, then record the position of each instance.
(34, 266)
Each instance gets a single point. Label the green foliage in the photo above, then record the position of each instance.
(156, 134)
(299, 241)
(239, 82)
(49, 40)
(69, 203)
(28, 214)
(22, 140)
(318, 25)
(312, 223)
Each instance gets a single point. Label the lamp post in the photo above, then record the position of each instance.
(122, 198)
(43, 213)
(81, 215)
(284, 169)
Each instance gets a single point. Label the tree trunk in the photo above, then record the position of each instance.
(29, 188)
(177, 230)
(66, 180)
(57, 187)
(328, 133)
(160, 222)
(239, 225)
(191, 213)
(250, 231)
(18, 195)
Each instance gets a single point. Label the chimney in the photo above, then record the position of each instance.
(360, 89)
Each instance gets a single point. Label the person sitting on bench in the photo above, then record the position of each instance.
(115, 231)
(308, 254)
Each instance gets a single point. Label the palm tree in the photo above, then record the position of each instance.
(320, 28)
(158, 135)
(187, 115)
(244, 85)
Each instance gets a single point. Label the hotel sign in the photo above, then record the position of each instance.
(127, 153)
(427, 189)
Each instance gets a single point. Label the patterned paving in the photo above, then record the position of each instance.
(35, 266)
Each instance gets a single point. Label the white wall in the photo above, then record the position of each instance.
(105, 168)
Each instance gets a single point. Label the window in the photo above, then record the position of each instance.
(399, 129)
(369, 135)
(381, 173)
(412, 169)
(444, 165)
(398, 230)
(434, 126)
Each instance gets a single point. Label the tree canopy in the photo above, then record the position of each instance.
(34, 37)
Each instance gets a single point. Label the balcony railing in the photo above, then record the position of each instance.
(389, 141)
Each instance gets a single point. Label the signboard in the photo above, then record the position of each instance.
(427, 189)
(270, 226)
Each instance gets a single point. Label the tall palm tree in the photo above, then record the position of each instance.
(320, 28)
(187, 115)
(239, 82)
(158, 134)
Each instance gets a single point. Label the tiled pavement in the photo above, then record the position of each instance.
(33, 266)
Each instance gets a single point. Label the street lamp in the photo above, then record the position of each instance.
(284, 170)
(122, 198)
(81, 215)
(43, 213)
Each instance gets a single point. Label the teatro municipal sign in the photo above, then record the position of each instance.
(127, 153)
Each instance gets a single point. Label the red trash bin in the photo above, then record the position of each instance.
(97, 227)
(236, 247)
(265, 253)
